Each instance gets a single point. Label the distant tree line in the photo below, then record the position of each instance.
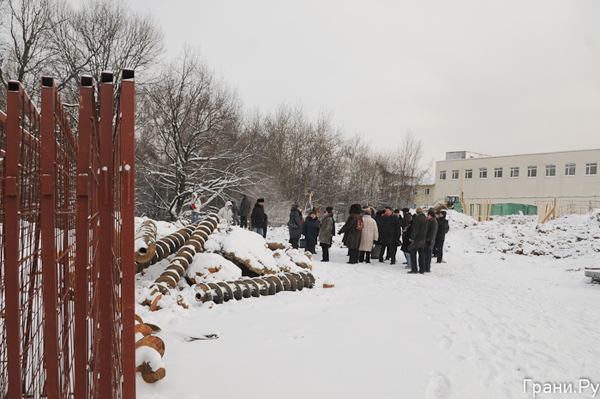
(193, 134)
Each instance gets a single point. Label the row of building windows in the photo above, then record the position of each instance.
(426, 191)
(591, 169)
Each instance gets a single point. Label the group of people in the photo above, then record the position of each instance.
(367, 233)
(234, 215)
(312, 228)
(420, 237)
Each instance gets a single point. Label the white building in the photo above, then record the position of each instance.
(571, 176)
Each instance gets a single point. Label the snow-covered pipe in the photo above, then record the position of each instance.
(180, 263)
(169, 245)
(224, 291)
(145, 243)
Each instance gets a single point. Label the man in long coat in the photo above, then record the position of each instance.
(417, 242)
(432, 227)
(370, 233)
(352, 231)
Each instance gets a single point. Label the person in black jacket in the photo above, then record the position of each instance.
(388, 234)
(258, 216)
(432, 227)
(440, 237)
(418, 236)
(295, 225)
(244, 211)
(310, 229)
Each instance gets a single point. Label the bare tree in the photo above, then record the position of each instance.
(23, 54)
(192, 124)
(103, 35)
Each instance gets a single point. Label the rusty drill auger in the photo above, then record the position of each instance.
(145, 239)
(224, 291)
(169, 245)
(184, 257)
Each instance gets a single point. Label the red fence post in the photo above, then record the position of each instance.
(11, 231)
(82, 294)
(49, 253)
(127, 128)
(106, 383)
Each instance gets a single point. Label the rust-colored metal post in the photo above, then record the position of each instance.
(127, 115)
(82, 295)
(106, 383)
(48, 223)
(11, 230)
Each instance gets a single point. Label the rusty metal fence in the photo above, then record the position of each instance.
(66, 221)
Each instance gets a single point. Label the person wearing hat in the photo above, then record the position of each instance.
(226, 213)
(310, 229)
(295, 225)
(352, 231)
(440, 237)
(257, 218)
(195, 206)
(417, 242)
(327, 232)
(432, 227)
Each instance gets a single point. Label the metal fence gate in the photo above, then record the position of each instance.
(67, 244)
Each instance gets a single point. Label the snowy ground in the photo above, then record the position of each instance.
(478, 326)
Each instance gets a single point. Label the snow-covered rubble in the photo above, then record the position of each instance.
(567, 236)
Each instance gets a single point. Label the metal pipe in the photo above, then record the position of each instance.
(256, 287)
(145, 238)
(180, 263)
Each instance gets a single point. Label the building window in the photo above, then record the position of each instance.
(483, 173)
(468, 174)
(550, 170)
(415, 191)
(570, 169)
(532, 171)
(455, 175)
(442, 175)
(497, 173)
(514, 171)
(591, 169)
(427, 191)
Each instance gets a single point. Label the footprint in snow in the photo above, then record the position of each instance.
(439, 387)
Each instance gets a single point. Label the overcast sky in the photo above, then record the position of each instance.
(495, 77)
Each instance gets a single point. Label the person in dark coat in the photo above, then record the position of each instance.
(440, 237)
(257, 218)
(406, 242)
(235, 209)
(406, 222)
(244, 211)
(327, 232)
(418, 236)
(432, 227)
(310, 229)
(352, 232)
(295, 224)
(388, 234)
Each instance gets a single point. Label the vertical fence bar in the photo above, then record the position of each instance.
(86, 104)
(22, 268)
(49, 252)
(106, 381)
(127, 171)
(3, 346)
(11, 231)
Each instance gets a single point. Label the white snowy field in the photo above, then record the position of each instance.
(488, 323)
